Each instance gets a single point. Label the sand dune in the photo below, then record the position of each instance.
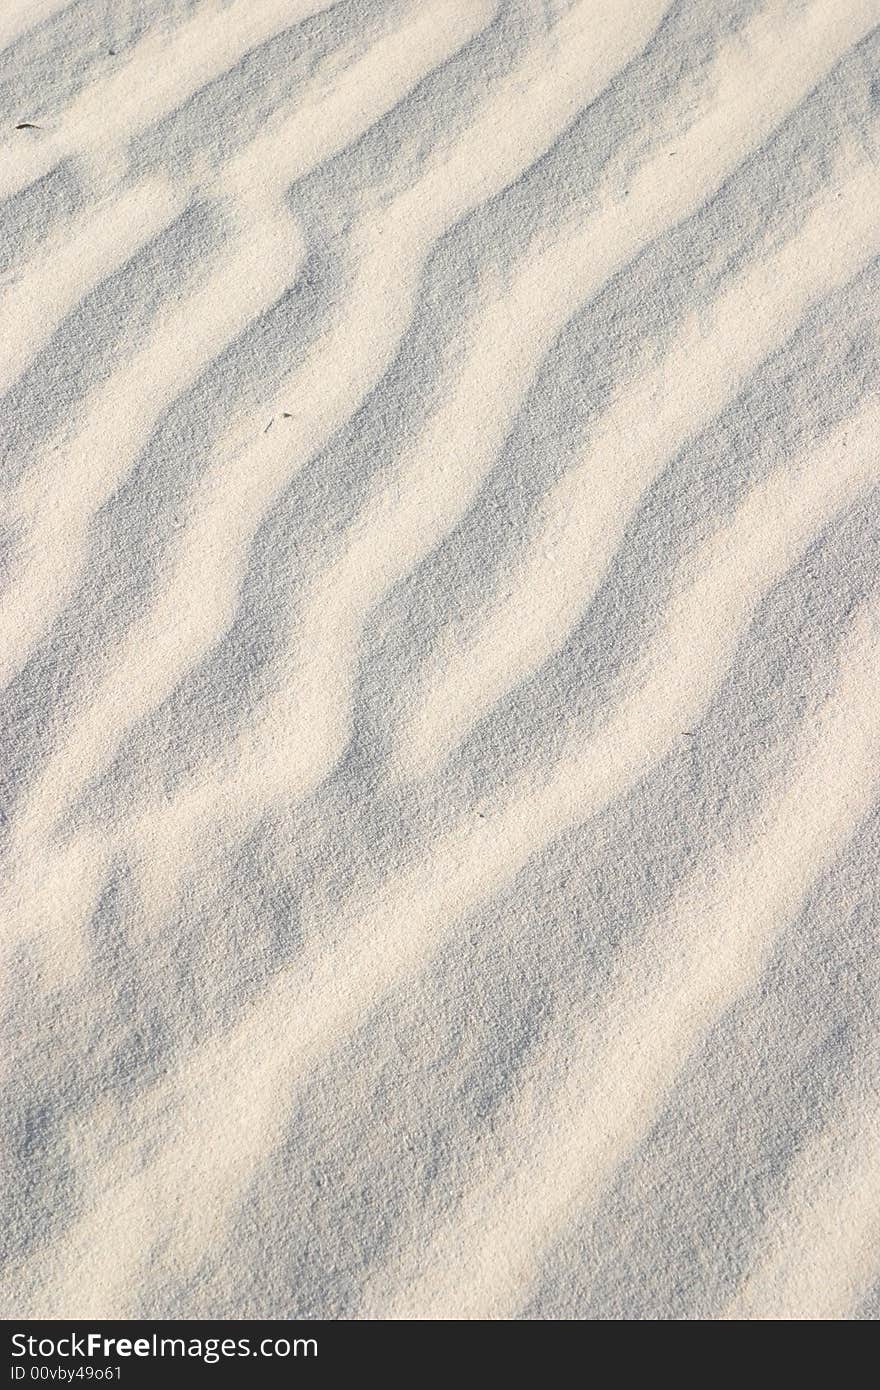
(439, 645)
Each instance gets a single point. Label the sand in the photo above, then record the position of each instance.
(439, 653)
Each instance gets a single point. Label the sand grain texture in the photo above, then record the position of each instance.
(439, 658)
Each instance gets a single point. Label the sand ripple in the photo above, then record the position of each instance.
(439, 652)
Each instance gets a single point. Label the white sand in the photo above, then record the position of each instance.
(439, 644)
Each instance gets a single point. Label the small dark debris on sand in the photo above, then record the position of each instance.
(28, 125)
